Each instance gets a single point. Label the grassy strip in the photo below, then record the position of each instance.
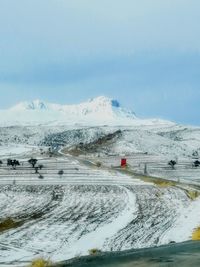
(160, 182)
(192, 194)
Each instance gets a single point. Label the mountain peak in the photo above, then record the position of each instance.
(103, 101)
(97, 103)
(97, 111)
(115, 103)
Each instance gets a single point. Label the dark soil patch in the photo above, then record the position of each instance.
(9, 223)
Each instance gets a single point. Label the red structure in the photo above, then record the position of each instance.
(123, 162)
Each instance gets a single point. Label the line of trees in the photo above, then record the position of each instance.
(33, 162)
(13, 162)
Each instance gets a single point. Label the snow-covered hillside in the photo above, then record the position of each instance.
(98, 111)
(99, 126)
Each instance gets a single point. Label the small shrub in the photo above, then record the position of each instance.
(40, 263)
(196, 234)
(98, 164)
(192, 194)
(94, 252)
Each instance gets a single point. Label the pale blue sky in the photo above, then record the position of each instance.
(145, 53)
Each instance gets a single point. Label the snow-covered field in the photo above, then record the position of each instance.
(157, 166)
(15, 150)
(86, 208)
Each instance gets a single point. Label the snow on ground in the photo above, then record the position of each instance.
(187, 221)
(141, 140)
(163, 140)
(157, 212)
(13, 150)
(83, 215)
(87, 208)
(166, 141)
(62, 213)
(97, 238)
(156, 166)
(33, 203)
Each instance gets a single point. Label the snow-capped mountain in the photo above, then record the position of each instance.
(97, 106)
(97, 111)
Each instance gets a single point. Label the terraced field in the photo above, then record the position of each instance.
(60, 217)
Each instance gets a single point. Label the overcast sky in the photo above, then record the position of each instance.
(144, 53)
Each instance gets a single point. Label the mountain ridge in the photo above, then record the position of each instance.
(95, 103)
(96, 111)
